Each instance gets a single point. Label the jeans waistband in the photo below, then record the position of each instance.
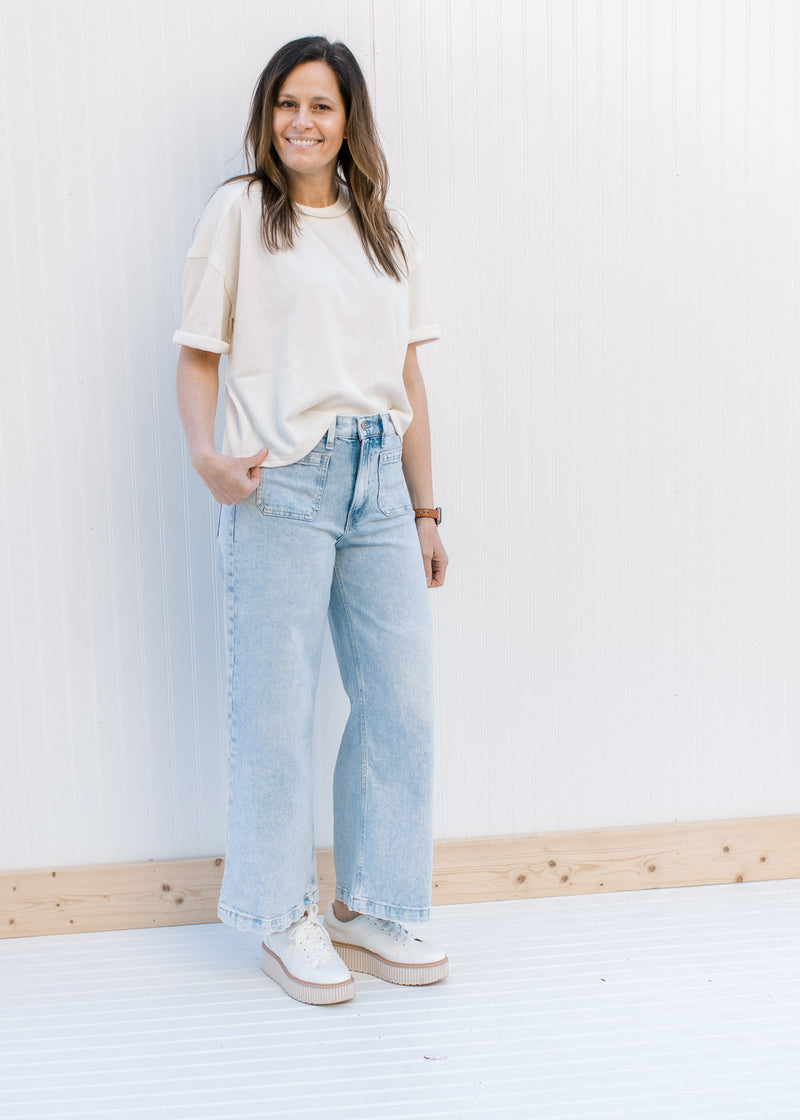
(360, 427)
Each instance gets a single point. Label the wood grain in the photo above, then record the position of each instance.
(185, 892)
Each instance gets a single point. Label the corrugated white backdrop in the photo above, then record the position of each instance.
(608, 195)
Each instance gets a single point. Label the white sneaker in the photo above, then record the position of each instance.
(386, 949)
(305, 964)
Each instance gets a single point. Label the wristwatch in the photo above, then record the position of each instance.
(436, 514)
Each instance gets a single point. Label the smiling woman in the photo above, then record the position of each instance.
(327, 511)
(308, 127)
(304, 82)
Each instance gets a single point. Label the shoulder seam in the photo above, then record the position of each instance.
(212, 264)
(221, 275)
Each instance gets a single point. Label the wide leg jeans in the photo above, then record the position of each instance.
(329, 538)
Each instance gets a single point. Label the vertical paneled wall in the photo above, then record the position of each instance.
(607, 193)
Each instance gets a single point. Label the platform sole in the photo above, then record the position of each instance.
(363, 960)
(302, 990)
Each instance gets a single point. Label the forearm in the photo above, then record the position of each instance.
(417, 471)
(229, 478)
(198, 387)
(417, 437)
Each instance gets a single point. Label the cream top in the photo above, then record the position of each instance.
(310, 332)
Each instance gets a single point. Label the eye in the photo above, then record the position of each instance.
(286, 104)
(323, 106)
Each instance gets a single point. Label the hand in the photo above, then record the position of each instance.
(433, 553)
(230, 479)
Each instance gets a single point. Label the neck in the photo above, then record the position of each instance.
(314, 193)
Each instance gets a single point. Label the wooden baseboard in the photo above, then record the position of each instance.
(185, 891)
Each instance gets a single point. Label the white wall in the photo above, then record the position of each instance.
(608, 194)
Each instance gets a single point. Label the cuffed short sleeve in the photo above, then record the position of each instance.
(211, 275)
(207, 322)
(422, 324)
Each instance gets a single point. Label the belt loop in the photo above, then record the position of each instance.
(331, 434)
(386, 422)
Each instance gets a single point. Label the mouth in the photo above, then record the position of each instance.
(296, 142)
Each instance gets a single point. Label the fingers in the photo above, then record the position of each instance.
(257, 459)
(252, 477)
(232, 479)
(438, 568)
(434, 557)
(253, 468)
(437, 574)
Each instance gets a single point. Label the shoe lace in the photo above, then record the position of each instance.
(311, 938)
(395, 930)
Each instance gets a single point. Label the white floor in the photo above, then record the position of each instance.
(677, 1003)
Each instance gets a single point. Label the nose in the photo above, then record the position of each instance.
(301, 119)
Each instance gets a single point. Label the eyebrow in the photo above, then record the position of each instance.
(314, 97)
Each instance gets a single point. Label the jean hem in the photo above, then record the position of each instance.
(249, 923)
(383, 909)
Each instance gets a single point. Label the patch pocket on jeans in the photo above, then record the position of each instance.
(294, 490)
(393, 496)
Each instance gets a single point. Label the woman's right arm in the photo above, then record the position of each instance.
(229, 478)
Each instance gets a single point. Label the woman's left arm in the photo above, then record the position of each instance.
(417, 470)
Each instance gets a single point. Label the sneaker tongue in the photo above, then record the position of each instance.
(309, 916)
(312, 939)
(310, 932)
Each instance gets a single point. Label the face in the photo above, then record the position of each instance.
(308, 122)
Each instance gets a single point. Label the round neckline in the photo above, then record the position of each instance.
(340, 206)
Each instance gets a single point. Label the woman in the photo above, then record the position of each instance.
(314, 288)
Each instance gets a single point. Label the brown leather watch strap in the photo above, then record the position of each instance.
(436, 514)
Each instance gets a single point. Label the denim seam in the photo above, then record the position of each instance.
(388, 909)
(232, 628)
(363, 724)
(385, 459)
(230, 637)
(271, 925)
(321, 469)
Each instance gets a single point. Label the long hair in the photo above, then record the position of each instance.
(361, 165)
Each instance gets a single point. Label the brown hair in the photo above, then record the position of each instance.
(361, 166)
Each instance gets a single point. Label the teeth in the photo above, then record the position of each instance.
(303, 143)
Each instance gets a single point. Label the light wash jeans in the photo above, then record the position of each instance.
(331, 536)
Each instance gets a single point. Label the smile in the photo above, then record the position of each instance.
(302, 143)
